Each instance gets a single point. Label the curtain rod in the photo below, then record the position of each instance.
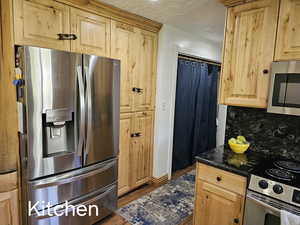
(182, 56)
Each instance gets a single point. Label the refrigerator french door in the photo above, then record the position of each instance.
(70, 140)
(102, 109)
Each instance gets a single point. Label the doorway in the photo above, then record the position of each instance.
(195, 109)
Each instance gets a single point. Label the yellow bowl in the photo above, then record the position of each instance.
(238, 148)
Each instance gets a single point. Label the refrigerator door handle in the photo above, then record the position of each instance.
(82, 111)
(89, 110)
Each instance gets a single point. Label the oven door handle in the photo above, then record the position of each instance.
(269, 209)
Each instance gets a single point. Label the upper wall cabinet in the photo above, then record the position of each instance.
(38, 23)
(145, 77)
(92, 31)
(248, 53)
(123, 47)
(288, 39)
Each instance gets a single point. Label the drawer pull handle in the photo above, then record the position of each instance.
(136, 135)
(219, 179)
(67, 36)
(137, 90)
(236, 221)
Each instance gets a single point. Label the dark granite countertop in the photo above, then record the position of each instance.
(223, 158)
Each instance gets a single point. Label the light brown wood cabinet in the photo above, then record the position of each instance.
(145, 78)
(137, 50)
(135, 158)
(9, 208)
(288, 35)
(220, 192)
(124, 48)
(38, 23)
(142, 148)
(9, 203)
(248, 53)
(212, 199)
(126, 125)
(92, 31)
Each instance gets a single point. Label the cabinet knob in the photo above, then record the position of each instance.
(236, 221)
(265, 71)
(219, 179)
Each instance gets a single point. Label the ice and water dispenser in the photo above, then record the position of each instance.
(58, 111)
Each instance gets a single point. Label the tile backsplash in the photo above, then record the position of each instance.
(270, 133)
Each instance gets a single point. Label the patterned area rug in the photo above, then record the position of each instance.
(170, 204)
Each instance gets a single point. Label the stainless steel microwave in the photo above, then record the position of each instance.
(284, 96)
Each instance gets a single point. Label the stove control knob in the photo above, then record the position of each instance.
(277, 189)
(263, 184)
(296, 196)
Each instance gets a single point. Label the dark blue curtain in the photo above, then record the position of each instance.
(195, 111)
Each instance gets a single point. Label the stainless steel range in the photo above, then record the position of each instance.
(69, 133)
(274, 186)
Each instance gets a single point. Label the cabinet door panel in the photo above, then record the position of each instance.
(124, 156)
(145, 77)
(248, 51)
(141, 148)
(38, 23)
(211, 199)
(288, 39)
(92, 31)
(123, 45)
(9, 208)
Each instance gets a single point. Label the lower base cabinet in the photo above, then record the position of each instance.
(216, 204)
(9, 201)
(135, 158)
(9, 208)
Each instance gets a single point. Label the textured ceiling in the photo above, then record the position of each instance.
(203, 18)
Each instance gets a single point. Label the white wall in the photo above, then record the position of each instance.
(172, 41)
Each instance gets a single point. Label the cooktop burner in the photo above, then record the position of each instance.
(288, 165)
(280, 174)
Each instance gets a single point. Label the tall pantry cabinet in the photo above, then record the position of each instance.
(136, 48)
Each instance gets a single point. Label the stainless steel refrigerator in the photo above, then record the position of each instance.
(69, 132)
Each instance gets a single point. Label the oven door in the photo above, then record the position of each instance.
(262, 210)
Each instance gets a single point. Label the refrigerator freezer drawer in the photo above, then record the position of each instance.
(105, 200)
(73, 184)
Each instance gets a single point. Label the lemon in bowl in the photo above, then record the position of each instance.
(239, 145)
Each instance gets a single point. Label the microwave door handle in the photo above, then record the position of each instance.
(82, 111)
(88, 76)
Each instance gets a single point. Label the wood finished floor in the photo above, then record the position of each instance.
(118, 220)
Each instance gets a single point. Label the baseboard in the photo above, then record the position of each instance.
(160, 180)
